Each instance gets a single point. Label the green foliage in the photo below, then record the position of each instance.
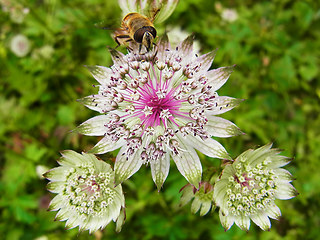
(276, 47)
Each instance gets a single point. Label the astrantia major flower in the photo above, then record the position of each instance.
(158, 106)
(86, 194)
(249, 187)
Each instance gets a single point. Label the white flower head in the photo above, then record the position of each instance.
(20, 45)
(229, 15)
(86, 194)
(173, 111)
(162, 8)
(249, 186)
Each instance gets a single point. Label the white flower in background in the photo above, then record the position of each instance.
(17, 11)
(44, 52)
(148, 7)
(158, 106)
(176, 35)
(229, 15)
(249, 186)
(43, 237)
(20, 45)
(86, 194)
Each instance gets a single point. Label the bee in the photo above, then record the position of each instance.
(136, 28)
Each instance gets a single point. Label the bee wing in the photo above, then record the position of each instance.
(109, 24)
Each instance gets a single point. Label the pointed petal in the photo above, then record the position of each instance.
(259, 155)
(56, 187)
(107, 145)
(218, 77)
(158, 11)
(98, 103)
(160, 170)
(219, 192)
(279, 161)
(209, 147)
(285, 191)
(262, 220)
(205, 208)
(100, 73)
(166, 8)
(228, 171)
(206, 60)
(120, 220)
(163, 45)
(119, 197)
(226, 220)
(283, 175)
(94, 126)
(188, 163)
(129, 6)
(117, 57)
(62, 215)
(57, 174)
(195, 206)
(72, 222)
(186, 46)
(125, 166)
(243, 222)
(56, 203)
(273, 211)
(223, 104)
(220, 127)
(71, 158)
(187, 195)
(114, 211)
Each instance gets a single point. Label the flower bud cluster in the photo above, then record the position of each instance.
(86, 194)
(248, 188)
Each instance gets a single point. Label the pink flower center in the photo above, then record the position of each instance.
(158, 107)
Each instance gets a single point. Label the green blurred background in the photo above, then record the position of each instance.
(276, 47)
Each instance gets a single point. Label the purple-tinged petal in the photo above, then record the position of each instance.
(218, 77)
(220, 127)
(243, 222)
(100, 73)
(223, 104)
(209, 147)
(107, 145)
(126, 166)
(188, 163)
(98, 103)
(160, 170)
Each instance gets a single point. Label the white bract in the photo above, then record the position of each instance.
(157, 106)
(249, 187)
(162, 8)
(86, 194)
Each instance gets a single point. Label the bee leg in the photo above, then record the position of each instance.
(140, 46)
(119, 37)
(128, 47)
